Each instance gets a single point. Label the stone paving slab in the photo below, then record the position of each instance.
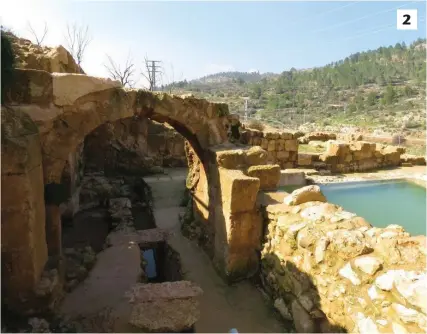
(166, 291)
(140, 237)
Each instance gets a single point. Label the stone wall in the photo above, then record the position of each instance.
(23, 246)
(281, 147)
(133, 146)
(342, 157)
(318, 136)
(329, 270)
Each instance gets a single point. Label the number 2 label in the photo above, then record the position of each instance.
(407, 19)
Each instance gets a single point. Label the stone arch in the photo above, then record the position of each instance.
(202, 123)
(66, 107)
(71, 106)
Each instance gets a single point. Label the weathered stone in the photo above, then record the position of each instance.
(302, 320)
(291, 145)
(256, 156)
(366, 324)
(320, 250)
(348, 273)
(67, 88)
(368, 264)
(238, 191)
(407, 315)
(280, 306)
(231, 159)
(348, 244)
(290, 177)
(305, 194)
(269, 175)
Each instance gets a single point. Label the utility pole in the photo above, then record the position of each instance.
(154, 69)
(246, 108)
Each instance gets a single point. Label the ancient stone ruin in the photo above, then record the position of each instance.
(72, 142)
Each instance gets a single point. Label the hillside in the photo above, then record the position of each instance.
(377, 88)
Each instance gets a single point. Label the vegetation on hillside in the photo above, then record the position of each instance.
(7, 62)
(382, 87)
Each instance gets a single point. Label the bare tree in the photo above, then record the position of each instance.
(77, 39)
(124, 75)
(39, 38)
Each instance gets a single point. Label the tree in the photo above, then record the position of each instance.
(389, 95)
(371, 99)
(256, 91)
(77, 39)
(408, 91)
(125, 74)
(39, 38)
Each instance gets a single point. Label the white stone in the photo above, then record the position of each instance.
(348, 273)
(373, 293)
(405, 314)
(382, 322)
(385, 281)
(320, 251)
(398, 328)
(342, 215)
(368, 264)
(366, 324)
(372, 231)
(413, 287)
(389, 234)
(395, 227)
(293, 229)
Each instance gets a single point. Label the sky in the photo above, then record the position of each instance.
(193, 39)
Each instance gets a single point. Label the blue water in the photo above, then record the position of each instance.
(150, 268)
(383, 203)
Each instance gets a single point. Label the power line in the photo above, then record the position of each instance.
(367, 33)
(360, 18)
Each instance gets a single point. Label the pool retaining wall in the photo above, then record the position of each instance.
(329, 270)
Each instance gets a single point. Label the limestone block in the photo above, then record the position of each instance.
(337, 148)
(256, 156)
(271, 157)
(286, 135)
(413, 159)
(269, 175)
(282, 155)
(31, 87)
(230, 159)
(264, 143)
(292, 177)
(256, 141)
(304, 195)
(67, 87)
(304, 159)
(165, 307)
(291, 145)
(368, 264)
(238, 191)
(271, 145)
(271, 135)
(280, 144)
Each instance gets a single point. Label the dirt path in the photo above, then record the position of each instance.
(223, 307)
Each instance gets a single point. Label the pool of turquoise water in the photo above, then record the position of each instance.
(381, 203)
